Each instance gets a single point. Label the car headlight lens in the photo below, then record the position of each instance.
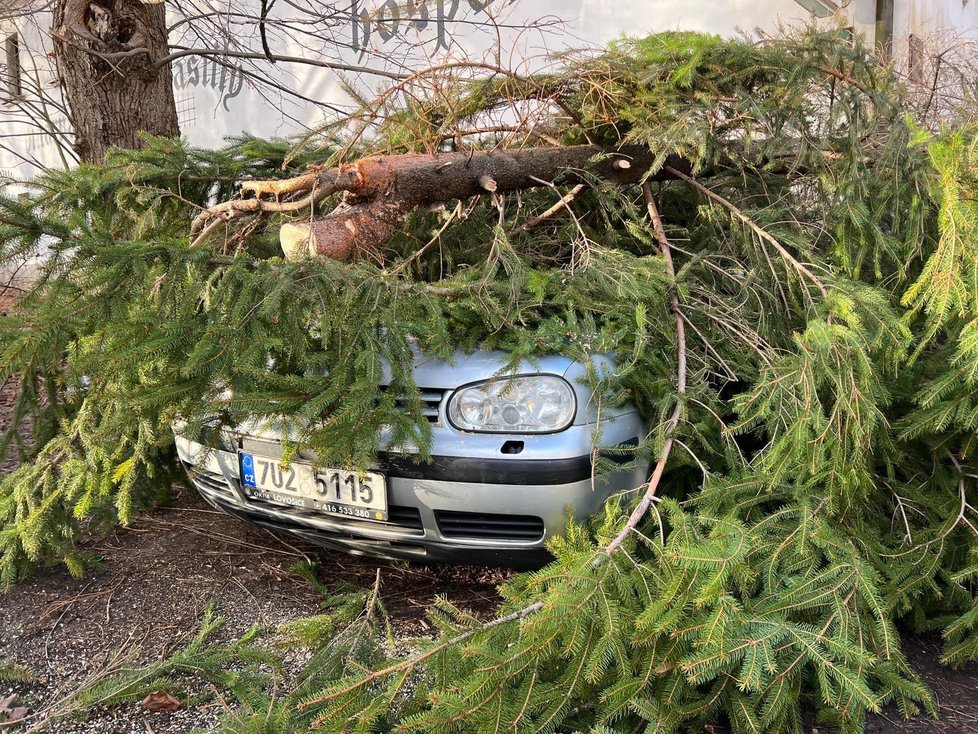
(529, 404)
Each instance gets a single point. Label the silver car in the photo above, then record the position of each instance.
(512, 460)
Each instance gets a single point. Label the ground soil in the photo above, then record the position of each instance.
(153, 580)
(149, 590)
(956, 691)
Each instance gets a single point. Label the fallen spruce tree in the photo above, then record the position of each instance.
(780, 252)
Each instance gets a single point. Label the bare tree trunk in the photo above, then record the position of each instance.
(106, 52)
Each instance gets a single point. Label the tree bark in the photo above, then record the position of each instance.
(387, 188)
(106, 52)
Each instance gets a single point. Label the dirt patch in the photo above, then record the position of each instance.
(956, 691)
(149, 591)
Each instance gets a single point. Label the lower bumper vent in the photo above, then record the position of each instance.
(489, 526)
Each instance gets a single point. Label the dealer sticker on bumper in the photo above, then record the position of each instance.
(335, 491)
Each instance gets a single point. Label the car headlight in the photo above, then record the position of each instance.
(528, 404)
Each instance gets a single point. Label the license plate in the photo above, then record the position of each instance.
(334, 491)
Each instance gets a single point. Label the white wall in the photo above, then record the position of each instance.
(937, 24)
(218, 111)
(26, 128)
(926, 17)
(861, 16)
(214, 102)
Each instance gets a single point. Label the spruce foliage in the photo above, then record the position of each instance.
(820, 489)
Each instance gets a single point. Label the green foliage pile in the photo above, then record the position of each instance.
(822, 485)
(238, 666)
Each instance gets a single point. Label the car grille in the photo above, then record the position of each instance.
(430, 403)
(408, 518)
(404, 518)
(488, 526)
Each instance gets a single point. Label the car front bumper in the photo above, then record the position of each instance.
(479, 510)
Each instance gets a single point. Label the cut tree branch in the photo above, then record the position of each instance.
(382, 190)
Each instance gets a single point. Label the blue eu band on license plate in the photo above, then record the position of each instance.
(248, 470)
(361, 495)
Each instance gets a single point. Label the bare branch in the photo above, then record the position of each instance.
(274, 57)
(671, 424)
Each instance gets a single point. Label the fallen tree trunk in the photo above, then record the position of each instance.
(384, 189)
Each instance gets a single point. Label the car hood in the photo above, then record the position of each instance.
(465, 368)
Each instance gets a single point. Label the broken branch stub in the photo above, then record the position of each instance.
(342, 235)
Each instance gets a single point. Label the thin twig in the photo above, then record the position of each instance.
(963, 497)
(457, 211)
(563, 202)
(960, 519)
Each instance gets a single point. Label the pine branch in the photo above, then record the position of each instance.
(763, 234)
(413, 662)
